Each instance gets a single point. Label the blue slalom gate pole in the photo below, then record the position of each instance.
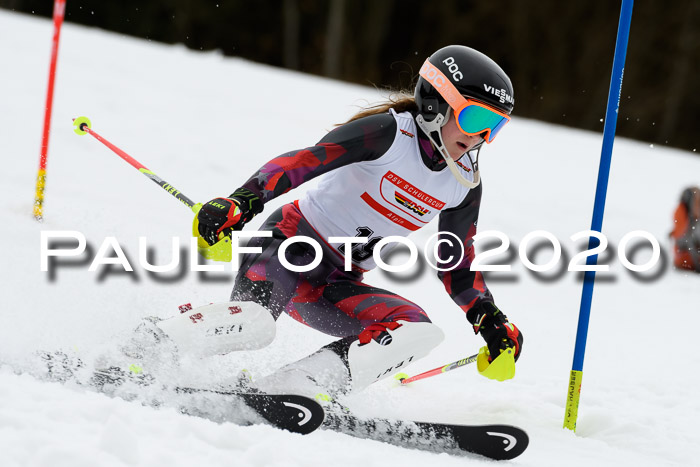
(574, 388)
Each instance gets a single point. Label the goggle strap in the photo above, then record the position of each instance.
(443, 85)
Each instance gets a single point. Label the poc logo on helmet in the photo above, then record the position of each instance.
(454, 69)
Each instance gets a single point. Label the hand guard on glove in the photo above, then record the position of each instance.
(223, 215)
(495, 328)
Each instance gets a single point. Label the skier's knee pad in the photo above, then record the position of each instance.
(221, 328)
(375, 361)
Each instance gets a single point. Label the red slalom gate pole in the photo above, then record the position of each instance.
(59, 8)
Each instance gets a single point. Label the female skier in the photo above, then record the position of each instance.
(388, 171)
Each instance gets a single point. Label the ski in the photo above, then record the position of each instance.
(290, 412)
(294, 413)
(499, 442)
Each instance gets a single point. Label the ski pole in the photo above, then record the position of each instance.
(220, 251)
(500, 368)
(83, 126)
(404, 378)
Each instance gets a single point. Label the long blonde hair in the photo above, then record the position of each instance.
(399, 101)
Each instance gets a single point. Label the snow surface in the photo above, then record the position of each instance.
(205, 123)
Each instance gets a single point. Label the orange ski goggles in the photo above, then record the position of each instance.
(472, 117)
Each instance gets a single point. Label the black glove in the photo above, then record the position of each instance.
(223, 215)
(494, 327)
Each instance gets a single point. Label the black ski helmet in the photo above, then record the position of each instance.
(473, 74)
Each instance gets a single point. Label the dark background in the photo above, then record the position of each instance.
(558, 54)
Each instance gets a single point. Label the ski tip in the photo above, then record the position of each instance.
(291, 412)
(513, 443)
(298, 414)
(499, 442)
